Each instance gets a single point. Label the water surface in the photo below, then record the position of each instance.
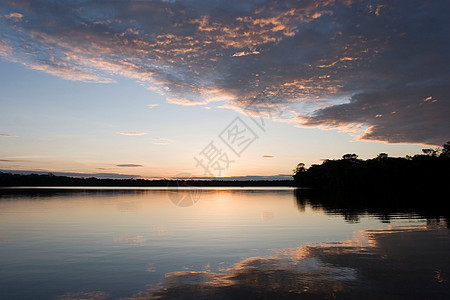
(211, 243)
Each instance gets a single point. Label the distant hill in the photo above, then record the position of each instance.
(14, 180)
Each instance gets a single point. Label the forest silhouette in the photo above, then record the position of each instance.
(381, 174)
(382, 186)
(50, 180)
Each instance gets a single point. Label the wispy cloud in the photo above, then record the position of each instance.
(153, 105)
(161, 141)
(129, 165)
(5, 135)
(267, 156)
(345, 61)
(14, 16)
(244, 53)
(132, 133)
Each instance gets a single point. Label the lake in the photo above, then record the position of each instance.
(205, 243)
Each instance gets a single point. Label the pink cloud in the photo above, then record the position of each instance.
(132, 133)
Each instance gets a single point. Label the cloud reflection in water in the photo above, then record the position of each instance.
(394, 262)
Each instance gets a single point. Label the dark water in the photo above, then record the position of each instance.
(215, 244)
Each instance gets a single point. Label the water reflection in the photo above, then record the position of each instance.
(353, 206)
(403, 262)
(232, 244)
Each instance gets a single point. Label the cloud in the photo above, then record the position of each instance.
(7, 135)
(408, 118)
(153, 105)
(132, 133)
(14, 16)
(161, 141)
(244, 53)
(129, 165)
(267, 156)
(331, 63)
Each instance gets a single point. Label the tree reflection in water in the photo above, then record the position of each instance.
(429, 205)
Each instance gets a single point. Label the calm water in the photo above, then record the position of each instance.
(230, 244)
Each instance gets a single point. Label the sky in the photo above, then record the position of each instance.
(159, 89)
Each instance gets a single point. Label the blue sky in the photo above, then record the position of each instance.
(144, 88)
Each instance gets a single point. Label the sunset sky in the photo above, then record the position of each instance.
(219, 88)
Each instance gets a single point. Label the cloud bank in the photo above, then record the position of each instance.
(72, 174)
(357, 65)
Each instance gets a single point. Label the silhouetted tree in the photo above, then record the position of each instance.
(382, 156)
(430, 151)
(445, 152)
(299, 168)
(348, 156)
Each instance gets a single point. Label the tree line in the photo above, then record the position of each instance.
(429, 170)
(14, 180)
